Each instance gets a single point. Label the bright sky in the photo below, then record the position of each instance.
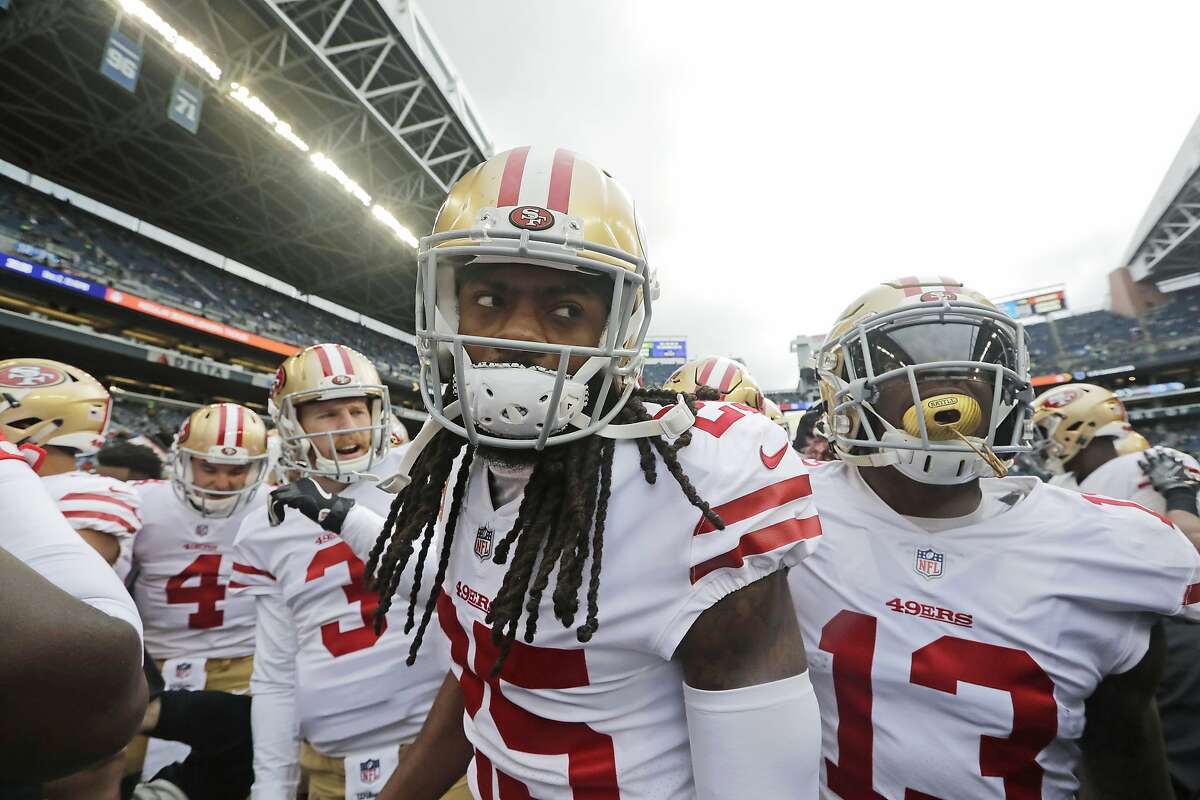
(787, 156)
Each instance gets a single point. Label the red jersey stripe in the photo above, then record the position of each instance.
(483, 775)
(238, 585)
(559, 196)
(103, 498)
(323, 357)
(510, 180)
(1192, 594)
(763, 540)
(100, 515)
(765, 499)
(246, 569)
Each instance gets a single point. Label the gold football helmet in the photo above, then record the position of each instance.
(328, 372)
(221, 433)
(730, 379)
(926, 332)
(550, 208)
(51, 404)
(1067, 418)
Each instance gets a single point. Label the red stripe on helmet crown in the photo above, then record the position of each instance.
(560, 180)
(241, 425)
(705, 372)
(510, 180)
(727, 378)
(912, 285)
(323, 357)
(345, 354)
(222, 421)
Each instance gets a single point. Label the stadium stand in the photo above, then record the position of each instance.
(656, 374)
(55, 234)
(1104, 338)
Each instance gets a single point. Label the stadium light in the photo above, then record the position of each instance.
(140, 11)
(323, 163)
(403, 233)
(264, 112)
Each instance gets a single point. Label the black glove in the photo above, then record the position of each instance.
(1169, 476)
(306, 496)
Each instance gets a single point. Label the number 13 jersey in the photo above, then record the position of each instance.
(957, 664)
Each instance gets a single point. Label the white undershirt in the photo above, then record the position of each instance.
(505, 483)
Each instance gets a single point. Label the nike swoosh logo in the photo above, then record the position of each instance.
(772, 461)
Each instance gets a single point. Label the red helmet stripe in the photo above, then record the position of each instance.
(241, 425)
(222, 422)
(345, 354)
(323, 357)
(510, 180)
(727, 379)
(912, 285)
(705, 371)
(560, 180)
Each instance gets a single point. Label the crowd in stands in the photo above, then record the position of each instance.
(1099, 339)
(1180, 433)
(59, 236)
(156, 421)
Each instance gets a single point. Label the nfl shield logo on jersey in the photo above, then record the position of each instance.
(929, 563)
(202, 530)
(183, 670)
(483, 542)
(368, 771)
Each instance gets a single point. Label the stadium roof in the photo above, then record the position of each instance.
(361, 81)
(1165, 243)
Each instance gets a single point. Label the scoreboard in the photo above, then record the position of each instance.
(1034, 304)
(665, 348)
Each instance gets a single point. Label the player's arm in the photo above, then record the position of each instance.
(105, 544)
(1177, 482)
(1122, 746)
(752, 715)
(275, 721)
(439, 756)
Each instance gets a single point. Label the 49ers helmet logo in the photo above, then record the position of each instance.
(1061, 398)
(937, 294)
(532, 218)
(30, 376)
(280, 379)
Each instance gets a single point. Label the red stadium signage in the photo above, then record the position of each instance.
(1050, 380)
(144, 306)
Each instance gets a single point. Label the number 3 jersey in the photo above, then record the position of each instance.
(956, 664)
(606, 719)
(319, 663)
(182, 567)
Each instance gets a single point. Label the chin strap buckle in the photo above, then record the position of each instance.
(670, 426)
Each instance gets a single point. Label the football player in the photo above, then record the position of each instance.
(322, 672)
(1082, 436)
(664, 660)
(1083, 439)
(183, 555)
(65, 411)
(972, 635)
(72, 638)
(719, 378)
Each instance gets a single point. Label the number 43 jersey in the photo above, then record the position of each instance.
(183, 563)
(605, 719)
(956, 664)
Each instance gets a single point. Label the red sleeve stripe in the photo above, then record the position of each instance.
(1192, 594)
(246, 569)
(102, 498)
(755, 503)
(238, 585)
(763, 540)
(101, 516)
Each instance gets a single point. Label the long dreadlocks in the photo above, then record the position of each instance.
(559, 523)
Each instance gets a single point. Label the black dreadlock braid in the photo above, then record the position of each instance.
(559, 524)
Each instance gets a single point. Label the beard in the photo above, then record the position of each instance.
(507, 458)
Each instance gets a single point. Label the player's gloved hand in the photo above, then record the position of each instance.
(1169, 476)
(306, 496)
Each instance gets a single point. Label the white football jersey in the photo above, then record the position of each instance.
(1123, 477)
(351, 687)
(182, 567)
(956, 664)
(606, 719)
(95, 502)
